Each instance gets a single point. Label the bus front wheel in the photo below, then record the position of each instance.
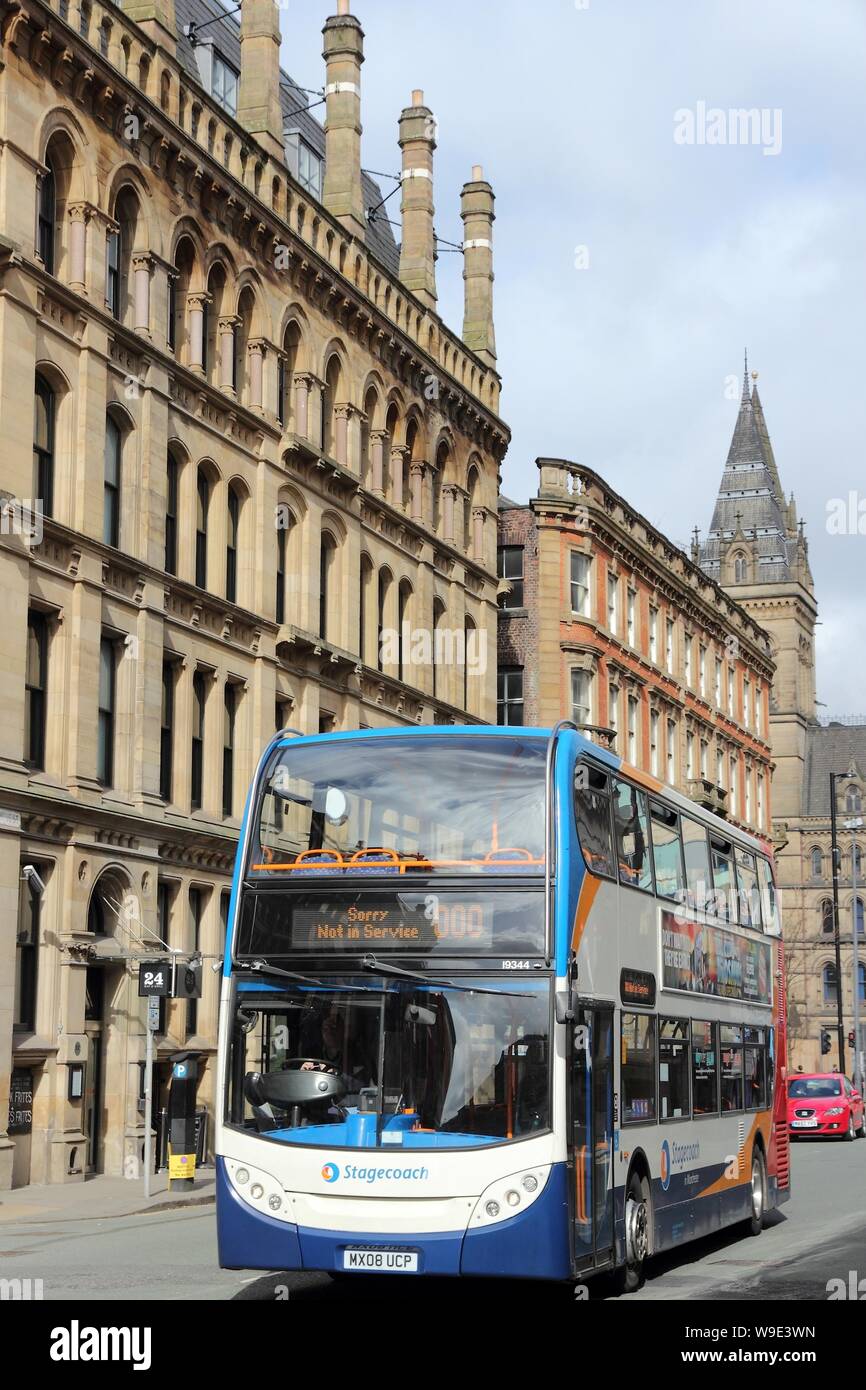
(630, 1276)
(758, 1193)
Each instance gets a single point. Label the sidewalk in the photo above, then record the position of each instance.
(101, 1198)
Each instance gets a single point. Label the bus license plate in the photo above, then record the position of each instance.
(382, 1261)
(804, 1124)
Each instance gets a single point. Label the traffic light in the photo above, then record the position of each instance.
(187, 979)
(825, 1041)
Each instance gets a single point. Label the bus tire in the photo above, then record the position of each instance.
(638, 1216)
(758, 1192)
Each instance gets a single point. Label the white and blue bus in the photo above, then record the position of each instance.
(494, 1003)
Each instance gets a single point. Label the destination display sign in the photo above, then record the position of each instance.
(704, 959)
(482, 923)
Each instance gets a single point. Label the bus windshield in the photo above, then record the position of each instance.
(451, 805)
(367, 1061)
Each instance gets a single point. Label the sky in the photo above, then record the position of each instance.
(636, 258)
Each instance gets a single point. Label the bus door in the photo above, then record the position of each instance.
(591, 1134)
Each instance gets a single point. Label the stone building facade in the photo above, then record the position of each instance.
(757, 550)
(604, 621)
(240, 450)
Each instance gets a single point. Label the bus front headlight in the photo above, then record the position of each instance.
(508, 1197)
(258, 1190)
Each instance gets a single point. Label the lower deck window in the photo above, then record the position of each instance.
(638, 1067)
(731, 1038)
(674, 1099)
(705, 1069)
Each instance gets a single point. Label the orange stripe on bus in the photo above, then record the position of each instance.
(588, 890)
(761, 1124)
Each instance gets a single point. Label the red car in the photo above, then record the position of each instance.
(824, 1103)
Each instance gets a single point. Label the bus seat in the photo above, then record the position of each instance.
(329, 861)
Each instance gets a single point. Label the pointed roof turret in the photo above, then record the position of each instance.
(751, 504)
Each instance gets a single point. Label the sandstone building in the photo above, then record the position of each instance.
(240, 448)
(756, 549)
(605, 621)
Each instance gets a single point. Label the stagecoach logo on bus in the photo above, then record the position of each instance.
(675, 1157)
(355, 1172)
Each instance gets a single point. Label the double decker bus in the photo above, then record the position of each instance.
(494, 1003)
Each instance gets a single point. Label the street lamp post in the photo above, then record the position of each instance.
(834, 856)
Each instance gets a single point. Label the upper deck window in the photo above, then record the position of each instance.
(402, 806)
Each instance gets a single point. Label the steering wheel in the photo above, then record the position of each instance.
(295, 1064)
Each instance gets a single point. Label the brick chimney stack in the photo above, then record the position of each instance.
(259, 109)
(476, 209)
(343, 54)
(418, 248)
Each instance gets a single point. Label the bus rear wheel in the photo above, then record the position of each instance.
(758, 1193)
(630, 1276)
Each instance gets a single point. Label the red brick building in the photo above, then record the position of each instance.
(605, 621)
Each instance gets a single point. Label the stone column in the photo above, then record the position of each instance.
(142, 265)
(79, 216)
(398, 454)
(416, 482)
(449, 495)
(226, 326)
(378, 440)
(342, 193)
(256, 349)
(341, 433)
(195, 306)
(478, 534)
(302, 401)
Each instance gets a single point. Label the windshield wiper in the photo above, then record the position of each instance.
(381, 967)
(261, 967)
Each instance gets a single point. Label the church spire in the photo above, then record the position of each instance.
(751, 503)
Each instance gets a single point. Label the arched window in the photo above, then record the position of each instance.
(857, 862)
(861, 979)
(382, 601)
(327, 556)
(172, 487)
(438, 478)
(43, 445)
(468, 650)
(859, 916)
(287, 366)
(329, 401)
(853, 801)
(111, 486)
(404, 636)
(47, 216)
(120, 246)
(371, 401)
(410, 453)
(817, 863)
(201, 520)
(825, 915)
(740, 568)
(234, 522)
(828, 976)
(178, 291)
(364, 614)
(438, 614)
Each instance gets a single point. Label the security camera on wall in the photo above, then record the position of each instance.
(36, 883)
